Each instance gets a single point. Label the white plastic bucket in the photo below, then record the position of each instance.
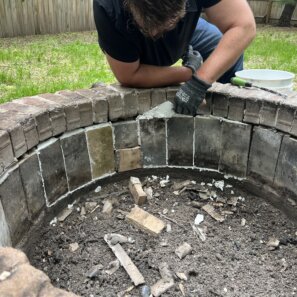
(267, 78)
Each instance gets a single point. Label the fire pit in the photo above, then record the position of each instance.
(59, 148)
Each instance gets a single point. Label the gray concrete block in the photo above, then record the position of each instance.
(153, 141)
(126, 134)
(220, 105)
(5, 240)
(180, 136)
(252, 111)
(58, 119)
(53, 170)
(101, 150)
(77, 162)
(284, 118)
(286, 171)
(235, 148)
(115, 107)
(268, 114)
(144, 100)
(208, 142)
(14, 204)
(158, 96)
(264, 153)
(6, 152)
(236, 109)
(33, 187)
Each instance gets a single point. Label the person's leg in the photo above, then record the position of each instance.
(205, 39)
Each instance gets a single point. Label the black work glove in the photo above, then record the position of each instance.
(192, 59)
(190, 96)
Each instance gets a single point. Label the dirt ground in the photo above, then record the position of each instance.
(237, 258)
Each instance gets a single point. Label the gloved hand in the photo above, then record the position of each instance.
(190, 96)
(192, 59)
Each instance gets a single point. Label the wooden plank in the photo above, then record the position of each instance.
(20, 17)
(31, 17)
(51, 17)
(3, 22)
(9, 25)
(15, 18)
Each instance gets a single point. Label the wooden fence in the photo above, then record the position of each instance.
(30, 17)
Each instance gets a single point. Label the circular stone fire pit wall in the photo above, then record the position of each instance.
(53, 145)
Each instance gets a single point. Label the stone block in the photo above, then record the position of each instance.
(6, 152)
(252, 111)
(115, 107)
(129, 159)
(126, 134)
(77, 162)
(265, 147)
(220, 105)
(206, 106)
(236, 109)
(171, 92)
(286, 171)
(144, 100)
(53, 170)
(285, 117)
(4, 230)
(101, 150)
(268, 114)
(58, 119)
(33, 187)
(235, 148)
(14, 204)
(180, 136)
(208, 142)
(158, 96)
(153, 141)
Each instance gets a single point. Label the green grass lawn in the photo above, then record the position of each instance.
(40, 64)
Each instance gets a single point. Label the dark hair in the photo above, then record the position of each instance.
(160, 15)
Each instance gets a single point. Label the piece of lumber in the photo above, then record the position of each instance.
(211, 211)
(135, 187)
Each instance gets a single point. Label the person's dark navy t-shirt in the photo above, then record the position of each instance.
(122, 40)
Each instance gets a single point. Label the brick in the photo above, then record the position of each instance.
(4, 230)
(136, 190)
(126, 134)
(129, 159)
(268, 114)
(77, 162)
(220, 105)
(284, 118)
(286, 171)
(252, 111)
(71, 110)
(145, 221)
(235, 148)
(206, 106)
(14, 204)
(53, 170)
(180, 134)
(115, 107)
(171, 92)
(153, 141)
(101, 151)
(6, 152)
(236, 109)
(208, 142)
(33, 188)
(264, 153)
(144, 100)
(158, 96)
(58, 119)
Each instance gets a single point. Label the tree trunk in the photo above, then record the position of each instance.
(285, 19)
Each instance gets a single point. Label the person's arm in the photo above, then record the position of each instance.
(236, 21)
(147, 76)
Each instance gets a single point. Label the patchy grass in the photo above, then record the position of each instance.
(39, 64)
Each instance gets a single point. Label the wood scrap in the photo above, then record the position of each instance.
(135, 187)
(211, 211)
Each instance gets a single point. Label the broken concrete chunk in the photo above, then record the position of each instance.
(199, 232)
(112, 267)
(220, 185)
(90, 206)
(145, 221)
(182, 289)
(211, 211)
(273, 243)
(94, 271)
(107, 207)
(114, 239)
(199, 219)
(181, 185)
(165, 283)
(243, 222)
(181, 276)
(135, 187)
(233, 201)
(65, 214)
(83, 211)
(183, 250)
(149, 192)
(73, 247)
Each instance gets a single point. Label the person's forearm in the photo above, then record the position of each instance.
(231, 46)
(148, 76)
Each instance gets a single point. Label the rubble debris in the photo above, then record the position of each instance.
(172, 220)
(176, 193)
(227, 212)
(4, 275)
(53, 222)
(196, 204)
(164, 243)
(112, 267)
(94, 271)
(73, 247)
(183, 250)
(199, 232)
(168, 228)
(204, 196)
(243, 222)
(232, 201)
(90, 206)
(199, 219)
(181, 276)
(145, 291)
(165, 211)
(124, 293)
(164, 182)
(65, 214)
(98, 189)
(165, 283)
(211, 211)
(145, 221)
(135, 187)
(284, 264)
(107, 206)
(118, 238)
(273, 243)
(126, 262)
(149, 192)
(229, 186)
(181, 185)
(220, 185)
(83, 211)
(182, 289)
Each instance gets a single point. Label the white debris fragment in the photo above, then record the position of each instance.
(4, 275)
(53, 222)
(65, 214)
(273, 243)
(202, 184)
(176, 193)
(200, 233)
(73, 247)
(168, 228)
(243, 222)
(220, 185)
(229, 186)
(181, 276)
(165, 211)
(164, 182)
(98, 189)
(193, 182)
(232, 192)
(113, 267)
(199, 219)
(149, 192)
(183, 250)
(225, 290)
(89, 206)
(209, 184)
(242, 199)
(107, 207)
(154, 177)
(182, 289)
